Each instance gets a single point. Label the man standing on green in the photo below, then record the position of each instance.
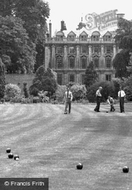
(68, 98)
(98, 99)
(121, 96)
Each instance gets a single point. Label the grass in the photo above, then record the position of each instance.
(51, 144)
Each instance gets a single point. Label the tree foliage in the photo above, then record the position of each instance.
(16, 46)
(123, 39)
(120, 63)
(2, 79)
(124, 34)
(33, 15)
(44, 80)
(108, 89)
(90, 75)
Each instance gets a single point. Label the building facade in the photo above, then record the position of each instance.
(69, 55)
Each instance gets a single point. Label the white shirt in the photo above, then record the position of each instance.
(98, 93)
(121, 93)
(68, 95)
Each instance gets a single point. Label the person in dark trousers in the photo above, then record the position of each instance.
(110, 101)
(98, 99)
(68, 99)
(121, 96)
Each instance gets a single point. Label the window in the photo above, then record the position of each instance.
(71, 38)
(83, 78)
(71, 78)
(107, 38)
(109, 49)
(72, 50)
(96, 62)
(59, 50)
(108, 62)
(108, 77)
(84, 49)
(96, 49)
(84, 62)
(59, 62)
(59, 78)
(83, 37)
(59, 38)
(95, 38)
(71, 62)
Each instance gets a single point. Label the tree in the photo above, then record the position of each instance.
(124, 34)
(33, 13)
(2, 79)
(120, 63)
(17, 51)
(90, 75)
(6, 7)
(123, 39)
(44, 80)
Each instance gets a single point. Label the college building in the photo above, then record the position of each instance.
(69, 53)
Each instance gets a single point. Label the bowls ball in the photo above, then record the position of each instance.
(8, 150)
(79, 166)
(125, 169)
(16, 157)
(10, 155)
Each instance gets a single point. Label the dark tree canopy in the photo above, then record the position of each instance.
(2, 79)
(120, 63)
(124, 34)
(123, 39)
(17, 50)
(33, 15)
(44, 80)
(90, 75)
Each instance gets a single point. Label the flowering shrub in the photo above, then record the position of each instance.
(60, 93)
(78, 91)
(12, 91)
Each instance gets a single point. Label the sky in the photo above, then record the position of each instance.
(71, 11)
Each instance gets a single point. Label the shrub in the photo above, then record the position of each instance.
(59, 94)
(128, 88)
(78, 91)
(11, 91)
(108, 89)
(2, 79)
(33, 90)
(45, 80)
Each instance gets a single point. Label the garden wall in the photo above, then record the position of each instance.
(19, 78)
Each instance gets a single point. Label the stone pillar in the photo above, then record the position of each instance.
(77, 60)
(47, 57)
(90, 53)
(65, 58)
(102, 58)
(53, 57)
(78, 78)
(65, 79)
(114, 50)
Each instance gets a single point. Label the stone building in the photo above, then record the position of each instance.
(69, 54)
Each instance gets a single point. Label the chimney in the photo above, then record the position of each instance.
(50, 29)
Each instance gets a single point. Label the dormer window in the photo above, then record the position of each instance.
(95, 36)
(71, 36)
(83, 36)
(107, 37)
(59, 36)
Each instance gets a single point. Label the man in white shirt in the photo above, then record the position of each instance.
(98, 99)
(68, 99)
(121, 96)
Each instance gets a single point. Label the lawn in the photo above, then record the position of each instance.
(51, 144)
